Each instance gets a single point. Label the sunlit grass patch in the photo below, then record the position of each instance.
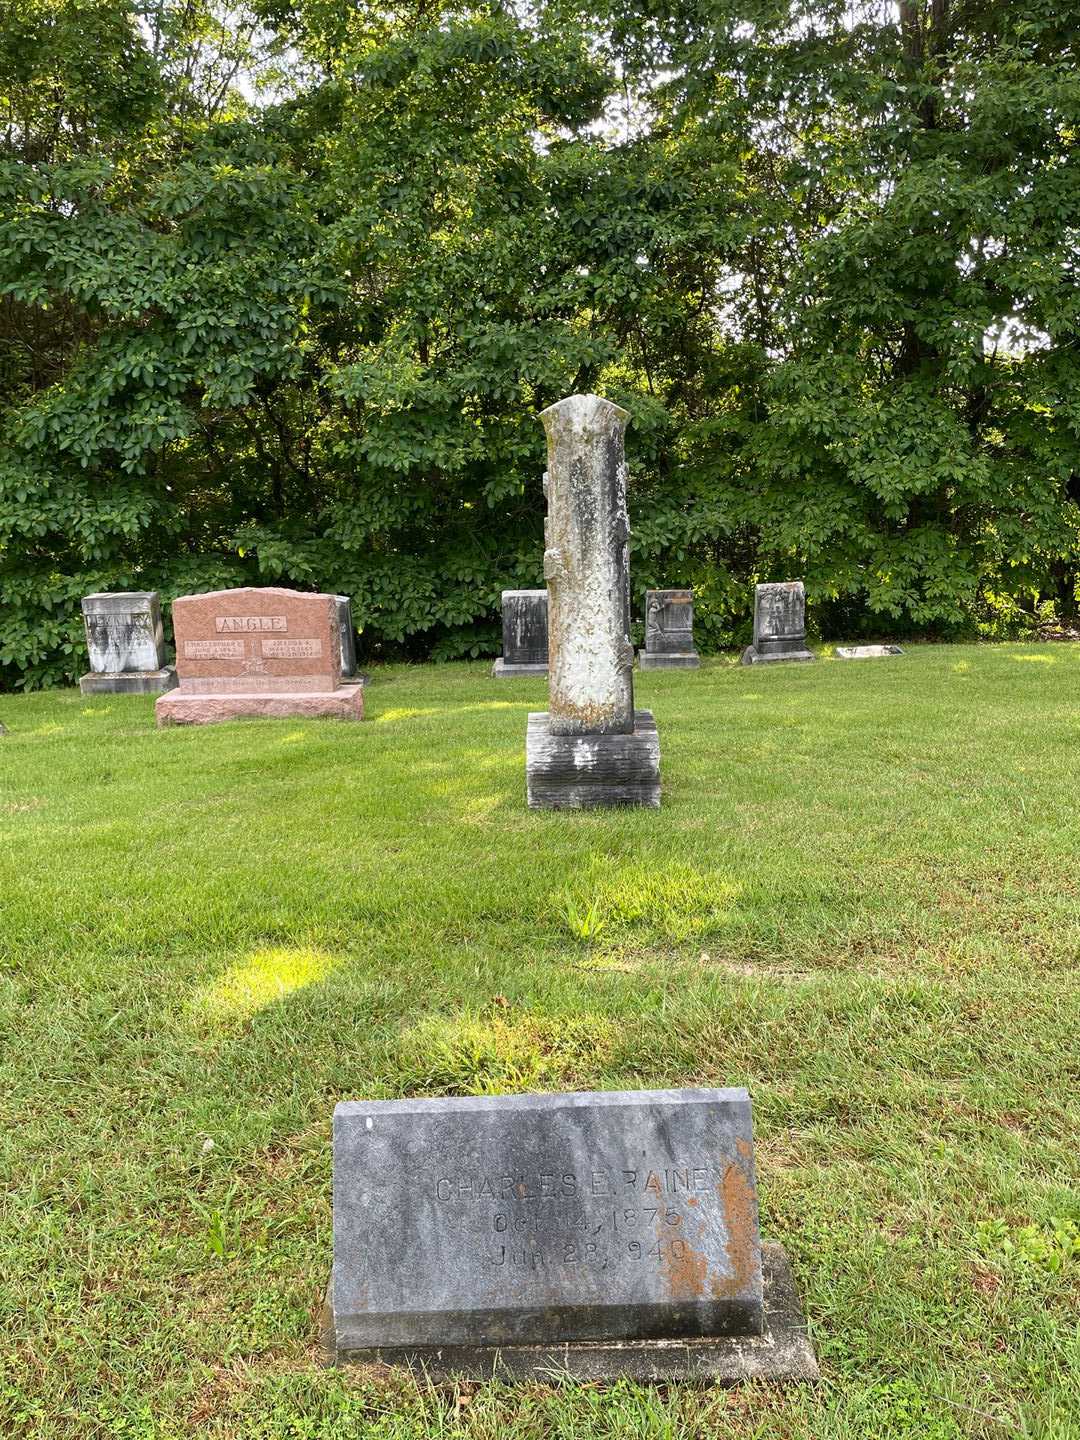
(259, 980)
(669, 898)
(503, 1054)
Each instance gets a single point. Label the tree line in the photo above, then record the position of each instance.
(284, 284)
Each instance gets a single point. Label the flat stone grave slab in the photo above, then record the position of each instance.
(605, 1233)
(867, 652)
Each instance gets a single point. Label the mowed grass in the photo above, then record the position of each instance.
(861, 899)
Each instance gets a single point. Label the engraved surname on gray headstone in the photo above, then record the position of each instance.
(545, 1218)
(225, 623)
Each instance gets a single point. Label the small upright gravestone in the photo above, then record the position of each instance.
(258, 652)
(669, 631)
(779, 624)
(126, 643)
(525, 634)
(590, 748)
(348, 637)
(504, 1236)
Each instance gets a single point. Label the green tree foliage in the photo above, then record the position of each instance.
(283, 287)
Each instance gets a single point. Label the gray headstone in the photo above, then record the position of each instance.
(348, 636)
(669, 631)
(126, 643)
(590, 729)
(544, 1218)
(525, 633)
(779, 624)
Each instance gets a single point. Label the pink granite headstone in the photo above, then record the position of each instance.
(252, 652)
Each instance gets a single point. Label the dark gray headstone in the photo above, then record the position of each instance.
(669, 631)
(126, 644)
(525, 633)
(779, 624)
(348, 636)
(542, 1219)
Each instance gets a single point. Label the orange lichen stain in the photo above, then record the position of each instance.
(744, 1148)
(691, 1200)
(740, 1211)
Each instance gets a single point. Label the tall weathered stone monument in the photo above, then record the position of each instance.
(590, 748)
(603, 1234)
(126, 643)
(669, 631)
(525, 634)
(252, 652)
(779, 624)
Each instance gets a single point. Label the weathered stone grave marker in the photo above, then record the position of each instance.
(348, 637)
(525, 634)
(779, 624)
(669, 631)
(592, 1232)
(126, 643)
(590, 747)
(258, 652)
(867, 652)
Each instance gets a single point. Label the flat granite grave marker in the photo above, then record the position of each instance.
(779, 624)
(126, 643)
(258, 652)
(525, 634)
(867, 652)
(608, 1233)
(669, 631)
(590, 747)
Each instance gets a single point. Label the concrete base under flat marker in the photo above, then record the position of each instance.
(782, 1354)
(128, 682)
(750, 656)
(506, 670)
(671, 660)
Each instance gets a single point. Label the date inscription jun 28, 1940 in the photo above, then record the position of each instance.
(522, 1219)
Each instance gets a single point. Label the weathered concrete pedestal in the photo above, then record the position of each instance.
(129, 682)
(180, 708)
(679, 660)
(578, 772)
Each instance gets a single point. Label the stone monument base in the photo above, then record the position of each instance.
(673, 660)
(178, 708)
(782, 1353)
(750, 656)
(128, 682)
(506, 669)
(575, 772)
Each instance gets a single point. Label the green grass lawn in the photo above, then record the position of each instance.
(861, 899)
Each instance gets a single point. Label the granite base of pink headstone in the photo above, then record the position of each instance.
(252, 652)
